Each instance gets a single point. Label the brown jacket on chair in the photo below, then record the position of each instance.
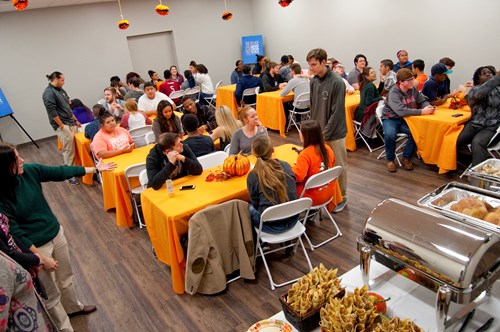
(220, 242)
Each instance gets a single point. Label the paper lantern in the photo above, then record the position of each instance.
(20, 4)
(123, 24)
(285, 3)
(226, 16)
(162, 10)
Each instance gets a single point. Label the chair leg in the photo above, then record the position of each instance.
(134, 202)
(337, 234)
(291, 115)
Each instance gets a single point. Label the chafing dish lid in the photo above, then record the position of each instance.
(455, 252)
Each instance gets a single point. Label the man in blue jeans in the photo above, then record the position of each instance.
(402, 100)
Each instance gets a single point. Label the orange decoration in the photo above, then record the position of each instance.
(162, 10)
(285, 3)
(123, 24)
(226, 16)
(379, 301)
(20, 4)
(236, 165)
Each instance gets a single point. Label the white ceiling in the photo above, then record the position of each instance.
(6, 5)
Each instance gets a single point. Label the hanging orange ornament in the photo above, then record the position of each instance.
(285, 3)
(122, 24)
(226, 16)
(20, 4)
(162, 9)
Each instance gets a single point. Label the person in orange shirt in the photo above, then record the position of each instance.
(313, 159)
(420, 77)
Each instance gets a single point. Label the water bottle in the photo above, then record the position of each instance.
(170, 188)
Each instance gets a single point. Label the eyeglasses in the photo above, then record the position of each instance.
(410, 79)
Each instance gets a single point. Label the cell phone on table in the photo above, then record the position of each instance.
(187, 187)
(456, 115)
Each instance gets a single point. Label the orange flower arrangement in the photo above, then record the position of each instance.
(123, 24)
(226, 16)
(162, 10)
(20, 4)
(285, 3)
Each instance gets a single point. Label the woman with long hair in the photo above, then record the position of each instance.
(133, 118)
(205, 82)
(175, 75)
(226, 126)
(34, 224)
(166, 121)
(315, 157)
(271, 182)
(82, 113)
(111, 140)
(242, 139)
(368, 90)
(155, 79)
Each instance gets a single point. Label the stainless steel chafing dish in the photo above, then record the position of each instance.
(486, 175)
(443, 197)
(458, 261)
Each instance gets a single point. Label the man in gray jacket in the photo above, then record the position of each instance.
(328, 108)
(57, 104)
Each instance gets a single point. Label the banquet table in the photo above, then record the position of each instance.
(436, 135)
(410, 300)
(114, 185)
(225, 96)
(351, 103)
(270, 110)
(167, 217)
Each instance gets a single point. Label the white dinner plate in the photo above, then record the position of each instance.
(270, 325)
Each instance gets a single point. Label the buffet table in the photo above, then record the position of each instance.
(410, 300)
(436, 135)
(167, 217)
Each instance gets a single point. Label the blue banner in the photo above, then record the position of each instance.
(251, 46)
(4, 106)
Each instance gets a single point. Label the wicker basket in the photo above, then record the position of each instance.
(307, 322)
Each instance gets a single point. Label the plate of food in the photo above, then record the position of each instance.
(270, 325)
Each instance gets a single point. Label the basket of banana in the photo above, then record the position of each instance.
(302, 304)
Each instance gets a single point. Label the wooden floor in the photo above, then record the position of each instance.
(115, 270)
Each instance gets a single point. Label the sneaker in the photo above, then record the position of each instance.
(340, 206)
(73, 181)
(407, 164)
(391, 166)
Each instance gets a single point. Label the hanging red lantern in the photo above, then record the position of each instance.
(123, 24)
(226, 16)
(285, 3)
(162, 10)
(20, 4)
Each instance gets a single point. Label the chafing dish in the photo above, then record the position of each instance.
(443, 197)
(485, 175)
(458, 261)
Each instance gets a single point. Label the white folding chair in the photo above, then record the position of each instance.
(302, 102)
(278, 212)
(193, 93)
(248, 93)
(492, 149)
(212, 159)
(402, 138)
(212, 100)
(227, 148)
(359, 134)
(150, 138)
(177, 95)
(139, 134)
(317, 181)
(96, 160)
(134, 171)
(143, 178)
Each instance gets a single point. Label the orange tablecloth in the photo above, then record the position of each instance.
(270, 110)
(436, 136)
(351, 103)
(114, 185)
(167, 218)
(225, 96)
(83, 156)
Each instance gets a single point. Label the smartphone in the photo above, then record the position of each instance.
(188, 187)
(457, 115)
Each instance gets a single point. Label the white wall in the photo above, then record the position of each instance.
(466, 31)
(85, 44)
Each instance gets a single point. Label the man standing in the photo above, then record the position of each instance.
(57, 104)
(328, 108)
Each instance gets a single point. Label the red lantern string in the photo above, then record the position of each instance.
(161, 9)
(285, 3)
(122, 24)
(226, 16)
(20, 4)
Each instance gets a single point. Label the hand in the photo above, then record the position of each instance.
(469, 84)
(282, 85)
(78, 124)
(382, 78)
(181, 158)
(428, 110)
(172, 156)
(201, 130)
(455, 93)
(103, 167)
(48, 263)
(117, 106)
(129, 148)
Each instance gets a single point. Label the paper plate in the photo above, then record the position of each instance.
(270, 325)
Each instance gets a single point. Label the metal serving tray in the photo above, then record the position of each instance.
(445, 196)
(485, 181)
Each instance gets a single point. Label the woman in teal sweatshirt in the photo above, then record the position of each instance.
(35, 225)
(369, 93)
